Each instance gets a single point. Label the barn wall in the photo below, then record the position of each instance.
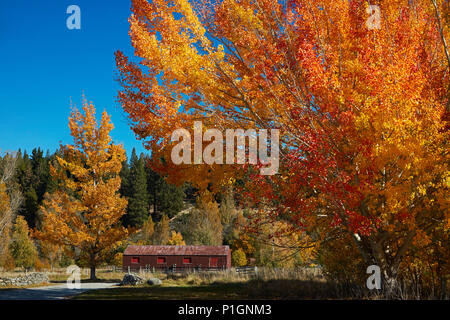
(151, 261)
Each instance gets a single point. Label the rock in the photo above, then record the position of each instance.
(154, 282)
(131, 279)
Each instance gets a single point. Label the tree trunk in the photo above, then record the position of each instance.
(92, 264)
(391, 285)
(443, 288)
(93, 277)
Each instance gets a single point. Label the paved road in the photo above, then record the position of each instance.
(54, 292)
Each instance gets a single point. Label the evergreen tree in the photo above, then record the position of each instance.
(170, 199)
(137, 211)
(30, 207)
(125, 177)
(153, 185)
(24, 172)
(34, 179)
(164, 198)
(125, 187)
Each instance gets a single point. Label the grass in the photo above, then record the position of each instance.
(164, 292)
(269, 284)
(254, 290)
(226, 285)
(102, 276)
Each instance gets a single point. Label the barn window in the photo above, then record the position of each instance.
(161, 260)
(187, 260)
(135, 260)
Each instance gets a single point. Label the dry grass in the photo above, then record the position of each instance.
(268, 284)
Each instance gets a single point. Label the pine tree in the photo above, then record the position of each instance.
(24, 172)
(164, 198)
(125, 177)
(137, 211)
(30, 207)
(22, 247)
(33, 176)
(41, 172)
(153, 186)
(170, 198)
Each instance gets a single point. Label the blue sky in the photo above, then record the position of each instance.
(44, 65)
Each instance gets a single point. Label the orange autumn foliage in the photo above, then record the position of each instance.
(85, 211)
(363, 112)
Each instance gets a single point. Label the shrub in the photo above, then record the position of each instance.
(238, 258)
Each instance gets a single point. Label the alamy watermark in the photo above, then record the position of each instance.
(214, 152)
(73, 281)
(74, 20)
(374, 280)
(374, 20)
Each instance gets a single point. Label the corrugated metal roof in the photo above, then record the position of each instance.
(134, 250)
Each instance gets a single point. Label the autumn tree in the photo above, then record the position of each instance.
(5, 226)
(361, 101)
(22, 247)
(162, 231)
(144, 236)
(202, 225)
(238, 258)
(85, 211)
(176, 239)
(228, 214)
(50, 253)
(10, 202)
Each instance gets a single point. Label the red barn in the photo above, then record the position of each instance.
(178, 257)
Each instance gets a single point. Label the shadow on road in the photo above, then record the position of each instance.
(56, 292)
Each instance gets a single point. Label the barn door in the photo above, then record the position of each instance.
(213, 262)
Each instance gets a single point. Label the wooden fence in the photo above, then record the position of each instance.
(252, 271)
